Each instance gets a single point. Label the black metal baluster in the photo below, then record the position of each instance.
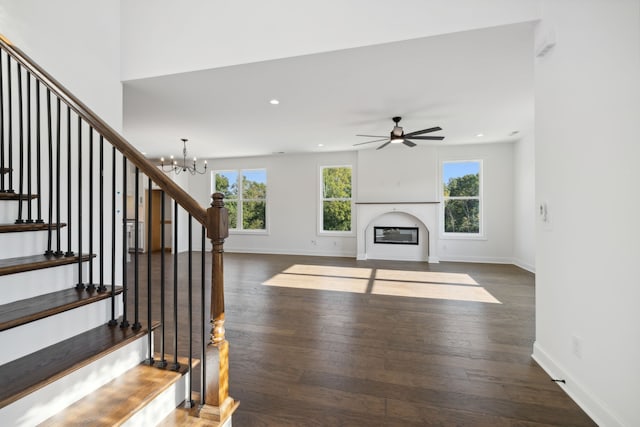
(203, 336)
(125, 323)
(69, 252)
(163, 362)
(49, 251)
(10, 121)
(21, 148)
(102, 287)
(80, 285)
(39, 219)
(29, 132)
(136, 279)
(90, 283)
(149, 218)
(2, 160)
(113, 320)
(58, 252)
(189, 403)
(174, 246)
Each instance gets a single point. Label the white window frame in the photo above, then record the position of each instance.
(321, 199)
(457, 235)
(240, 199)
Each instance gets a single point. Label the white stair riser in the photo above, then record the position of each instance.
(29, 243)
(26, 339)
(51, 399)
(30, 284)
(158, 409)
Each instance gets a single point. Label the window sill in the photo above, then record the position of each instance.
(336, 234)
(249, 232)
(456, 236)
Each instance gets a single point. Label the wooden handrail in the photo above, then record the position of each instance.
(112, 136)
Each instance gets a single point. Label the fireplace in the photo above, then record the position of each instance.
(395, 235)
(373, 218)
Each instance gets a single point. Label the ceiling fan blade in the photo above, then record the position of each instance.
(384, 145)
(420, 132)
(374, 136)
(369, 142)
(408, 143)
(429, 138)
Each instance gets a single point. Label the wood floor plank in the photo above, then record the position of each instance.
(28, 310)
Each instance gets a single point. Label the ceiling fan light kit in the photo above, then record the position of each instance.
(397, 136)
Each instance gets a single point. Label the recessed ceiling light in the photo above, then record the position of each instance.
(274, 102)
(480, 135)
(320, 145)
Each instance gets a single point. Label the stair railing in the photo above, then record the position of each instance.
(61, 155)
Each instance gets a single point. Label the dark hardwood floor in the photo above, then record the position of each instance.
(392, 344)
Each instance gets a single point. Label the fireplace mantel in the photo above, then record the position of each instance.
(395, 203)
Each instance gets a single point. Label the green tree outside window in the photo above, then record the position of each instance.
(336, 198)
(461, 196)
(248, 207)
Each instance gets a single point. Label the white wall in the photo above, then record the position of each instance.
(293, 183)
(524, 209)
(164, 36)
(77, 42)
(586, 155)
(396, 174)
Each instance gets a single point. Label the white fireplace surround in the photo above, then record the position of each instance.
(425, 213)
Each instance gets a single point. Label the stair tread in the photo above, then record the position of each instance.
(15, 196)
(28, 310)
(36, 262)
(118, 400)
(34, 226)
(23, 376)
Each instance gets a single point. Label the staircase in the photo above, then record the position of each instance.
(91, 326)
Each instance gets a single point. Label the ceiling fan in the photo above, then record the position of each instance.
(397, 135)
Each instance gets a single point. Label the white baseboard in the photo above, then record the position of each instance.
(340, 254)
(479, 260)
(524, 265)
(576, 391)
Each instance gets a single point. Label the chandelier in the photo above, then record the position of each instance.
(184, 167)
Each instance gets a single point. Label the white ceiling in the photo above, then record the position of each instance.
(468, 83)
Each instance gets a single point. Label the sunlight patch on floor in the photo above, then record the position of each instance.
(320, 283)
(433, 291)
(426, 276)
(400, 283)
(329, 270)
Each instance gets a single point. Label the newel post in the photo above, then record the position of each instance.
(218, 406)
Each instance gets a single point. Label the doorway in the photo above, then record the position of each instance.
(157, 221)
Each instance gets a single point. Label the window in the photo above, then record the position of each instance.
(461, 194)
(245, 193)
(336, 199)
